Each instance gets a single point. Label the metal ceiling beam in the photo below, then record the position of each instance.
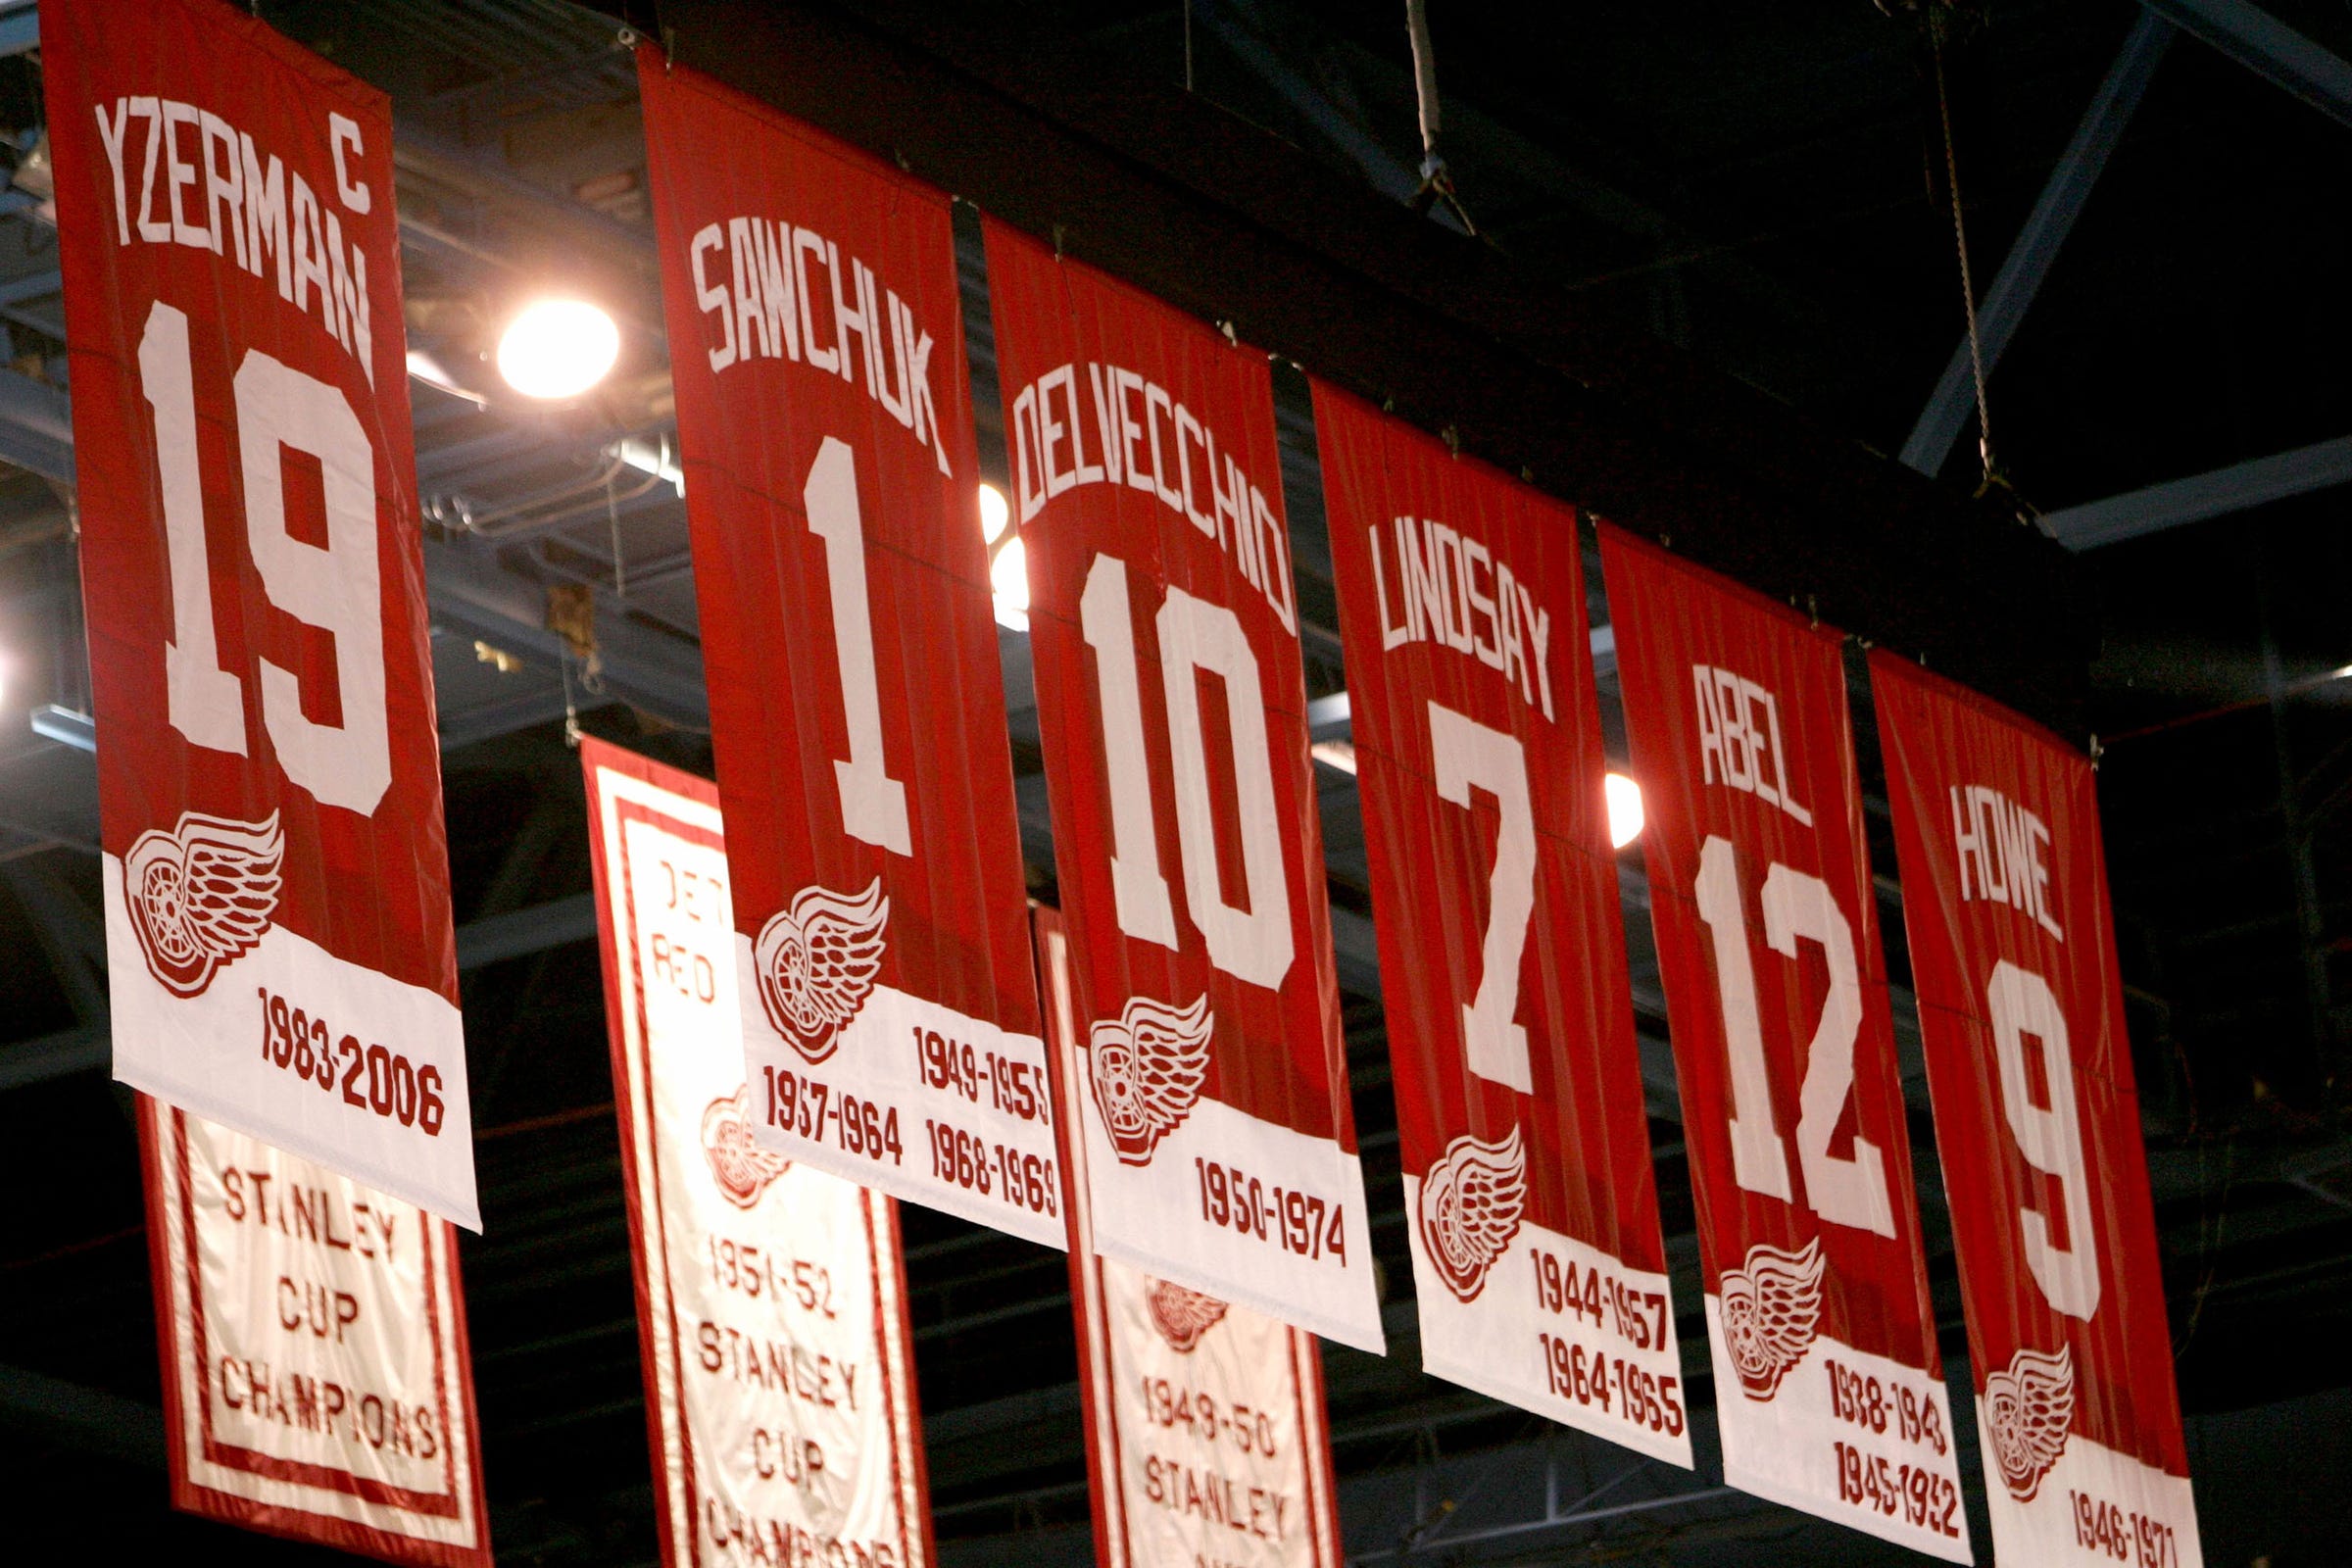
(2268, 47)
(2201, 496)
(2038, 243)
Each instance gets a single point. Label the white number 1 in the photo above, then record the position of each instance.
(873, 804)
(1469, 754)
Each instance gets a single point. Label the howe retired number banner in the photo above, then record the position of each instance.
(276, 877)
(1165, 624)
(779, 1382)
(1828, 1381)
(858, 709)
(2012, 951)
(316, 1382)
(1205, 1427)
(1532, 1207)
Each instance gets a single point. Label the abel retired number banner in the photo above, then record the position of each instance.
(315, 1378)
(2013, 948)
(1205, 1432)
(276, 880)
(1164, 624)
(1531, 1207)
(888, 1007)
(1828, 1381)
(778, 1369)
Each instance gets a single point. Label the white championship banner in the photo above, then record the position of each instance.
(778, 1366)
(1206, 1436)
(317, 1382)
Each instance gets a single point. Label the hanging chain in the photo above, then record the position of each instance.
(1968, 287)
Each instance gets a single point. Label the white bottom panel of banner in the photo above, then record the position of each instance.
(372, 1085)
(2094, 1505)
(918, 1101)
(1249, 1211)
(315, 1343)
(1564, 1330)
(1846, 1436)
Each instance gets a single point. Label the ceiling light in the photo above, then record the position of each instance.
(1009, 582)
(1626, 816)
(423, 367)
(557, 349)
(994, 514)
(1335, 754)
(648, 457)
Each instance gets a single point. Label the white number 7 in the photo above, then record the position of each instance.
(1469, 754)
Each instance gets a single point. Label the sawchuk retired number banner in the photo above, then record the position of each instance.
(858, 707)
(1204, 1428)
(2013, 952)
(779, 1378)
(277, 878)
(316, 1382)
(1829, 1385)
(1164, 624)
(1532, 1207)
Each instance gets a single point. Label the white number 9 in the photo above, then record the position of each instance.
(2050, 1137)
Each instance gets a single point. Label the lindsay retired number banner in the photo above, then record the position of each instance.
(1828, 1386)
(779, 1375)
(2013, 950)
(317, 1382)
(1205, 1430)
(1164, 624)
(277, 879)
(1533, 1210)
(857, 709)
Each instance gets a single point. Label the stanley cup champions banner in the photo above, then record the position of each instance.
(277, 879)
(779, 1378)
(316, 1382)
(1828, 1386)
(1531, 1203)
(1205, 1430)
(2013, 952)
(857, 704)
(1164, 625)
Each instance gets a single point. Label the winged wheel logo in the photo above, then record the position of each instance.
(2028, 1407)
(202, 895)
(742, 1168)
(816, 959)
(1471, 1201)
(1182, 1316)
(1147, 1066)
(1770, 1313)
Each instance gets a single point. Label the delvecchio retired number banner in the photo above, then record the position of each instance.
(858, 709)
(1829, 1385)
(1205, 1428)
(779, 1377)
(1533, 1210)
(1997, 827)
(277, 878)
(1164, 624)
(316, 1382)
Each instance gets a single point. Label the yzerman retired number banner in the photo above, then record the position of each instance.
(1996, 829)
(1205, 1428)
(1533, 1210)
(858, 709)
(779, 1377)
(316, 1382)
(1165, 624)
(277, 879)
(1829, 1385)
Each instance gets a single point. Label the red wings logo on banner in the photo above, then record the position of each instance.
(1997, 827)
(1171, 698)
(268, 771)
(1523, 1132)
(857, 709)
(1761, 898)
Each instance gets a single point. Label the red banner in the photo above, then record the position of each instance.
(858, 709)
(316, 1382)
(1164, 625)
(267, 769)
(1205, 1438)
(1828, 1381)
(779, 1375)
(1997, 827)
(1526, 1149)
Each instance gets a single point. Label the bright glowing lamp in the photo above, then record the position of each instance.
(1009, 582)
(995, 516)
(1625, 810)
(557, 349)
